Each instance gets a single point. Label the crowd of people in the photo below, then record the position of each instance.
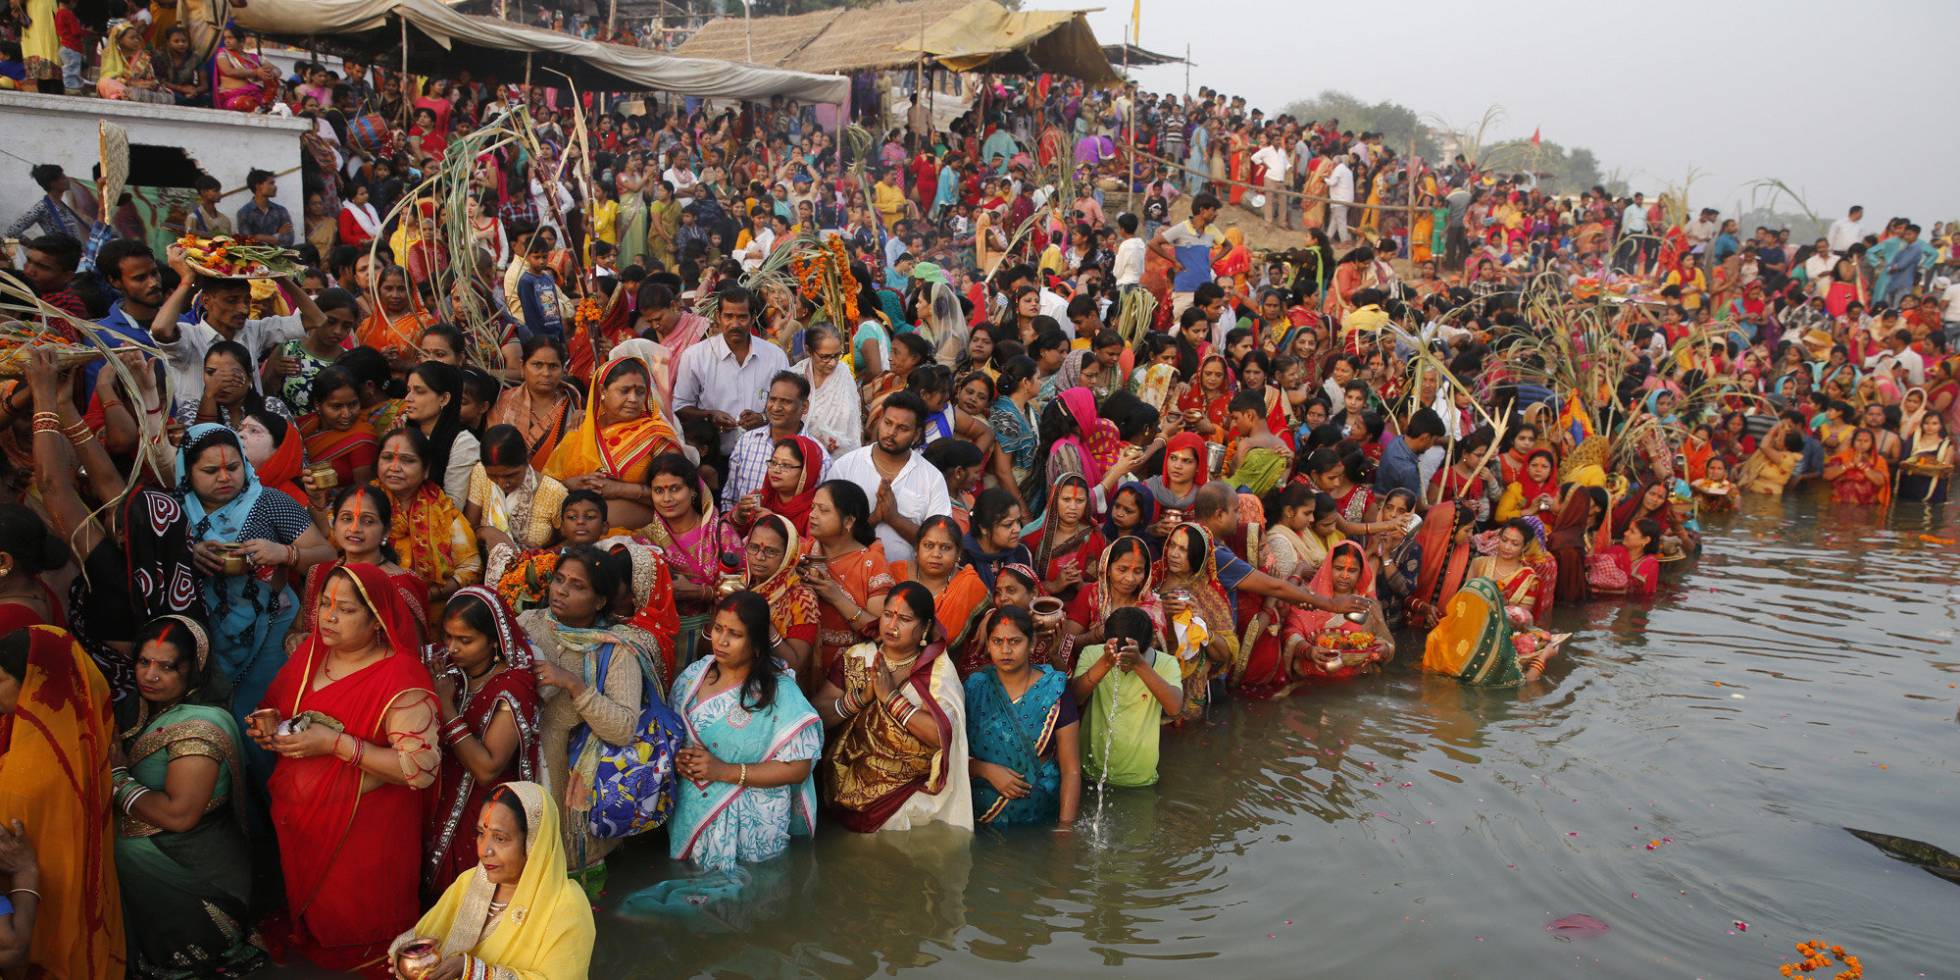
(166, 52)
(330, 631)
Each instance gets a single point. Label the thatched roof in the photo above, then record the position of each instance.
(959, 34)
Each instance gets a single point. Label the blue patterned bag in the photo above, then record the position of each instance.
(633, 789)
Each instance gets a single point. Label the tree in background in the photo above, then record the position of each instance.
(1395, 122)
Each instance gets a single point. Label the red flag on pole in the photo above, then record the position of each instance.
(1534, 136)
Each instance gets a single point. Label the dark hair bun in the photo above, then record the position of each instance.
(25, 537)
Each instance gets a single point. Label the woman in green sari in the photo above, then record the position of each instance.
(1474, 642)
(631, 184)
(181, 852)
(663, 222)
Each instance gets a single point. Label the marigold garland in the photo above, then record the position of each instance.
(1817, 956)
(527, 583)
(823, 276)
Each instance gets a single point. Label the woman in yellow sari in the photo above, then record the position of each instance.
(612, 449)
(55, 735)
(40, 48)
(1371, 216)
(515, 914)
(430, 534)
(1314, 210)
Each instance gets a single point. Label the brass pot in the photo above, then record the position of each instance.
(417, 958)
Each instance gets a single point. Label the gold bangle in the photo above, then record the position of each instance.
(743, 780)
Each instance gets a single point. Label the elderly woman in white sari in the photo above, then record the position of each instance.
(945, 322)
(836, 417)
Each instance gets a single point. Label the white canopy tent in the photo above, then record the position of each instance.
(441, 41)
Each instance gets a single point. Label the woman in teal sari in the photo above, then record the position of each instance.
(181, 852)
(247, 541)
(752, 741)
(1021, 725)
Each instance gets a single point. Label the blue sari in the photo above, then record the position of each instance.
(1021, 736)
(722, 824)
(250, 614)
(722, 827)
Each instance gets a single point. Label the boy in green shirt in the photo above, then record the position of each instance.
(1125, 687)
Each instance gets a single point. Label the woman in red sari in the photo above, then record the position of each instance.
(795, 469)
(350, 791)
(1322, 645)
(1859, 475)
(1068, 545)
(338, 433)
(1210, 397)
(489, 704)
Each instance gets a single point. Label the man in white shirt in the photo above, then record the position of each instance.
(1340, 194)
(1845, 231)
(1273, 157)
(1129, 253)
(227, 304)
(1898, 352)
(1702, 230)
(724, 378)
(1949, 292)
(903, 488)
(1819, 264)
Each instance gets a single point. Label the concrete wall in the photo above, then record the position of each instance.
(62, 130)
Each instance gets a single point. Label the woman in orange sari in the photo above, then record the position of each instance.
(772, 551)
(610, 452)
(56, 730)
(1211, 397)
(395, 327)
(1349, 277)
(1858, 474)
(958, 593)
(1445, 541)
(352, 785)
(543, 406)
(846, 568)
(1236, 262)
(338, 432)
(1236, 163)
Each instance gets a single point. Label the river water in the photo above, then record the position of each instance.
(1797, 681)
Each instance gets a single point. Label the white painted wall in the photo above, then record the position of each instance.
(63, 130)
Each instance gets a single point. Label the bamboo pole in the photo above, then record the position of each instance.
(1130, 123)
(1409, 219)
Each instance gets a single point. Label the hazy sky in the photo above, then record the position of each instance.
(1844, 103)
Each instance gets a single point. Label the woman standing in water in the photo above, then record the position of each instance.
(898, 754)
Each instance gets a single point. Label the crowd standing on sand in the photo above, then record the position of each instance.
(363, 610)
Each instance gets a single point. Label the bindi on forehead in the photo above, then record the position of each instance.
(340, 590)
